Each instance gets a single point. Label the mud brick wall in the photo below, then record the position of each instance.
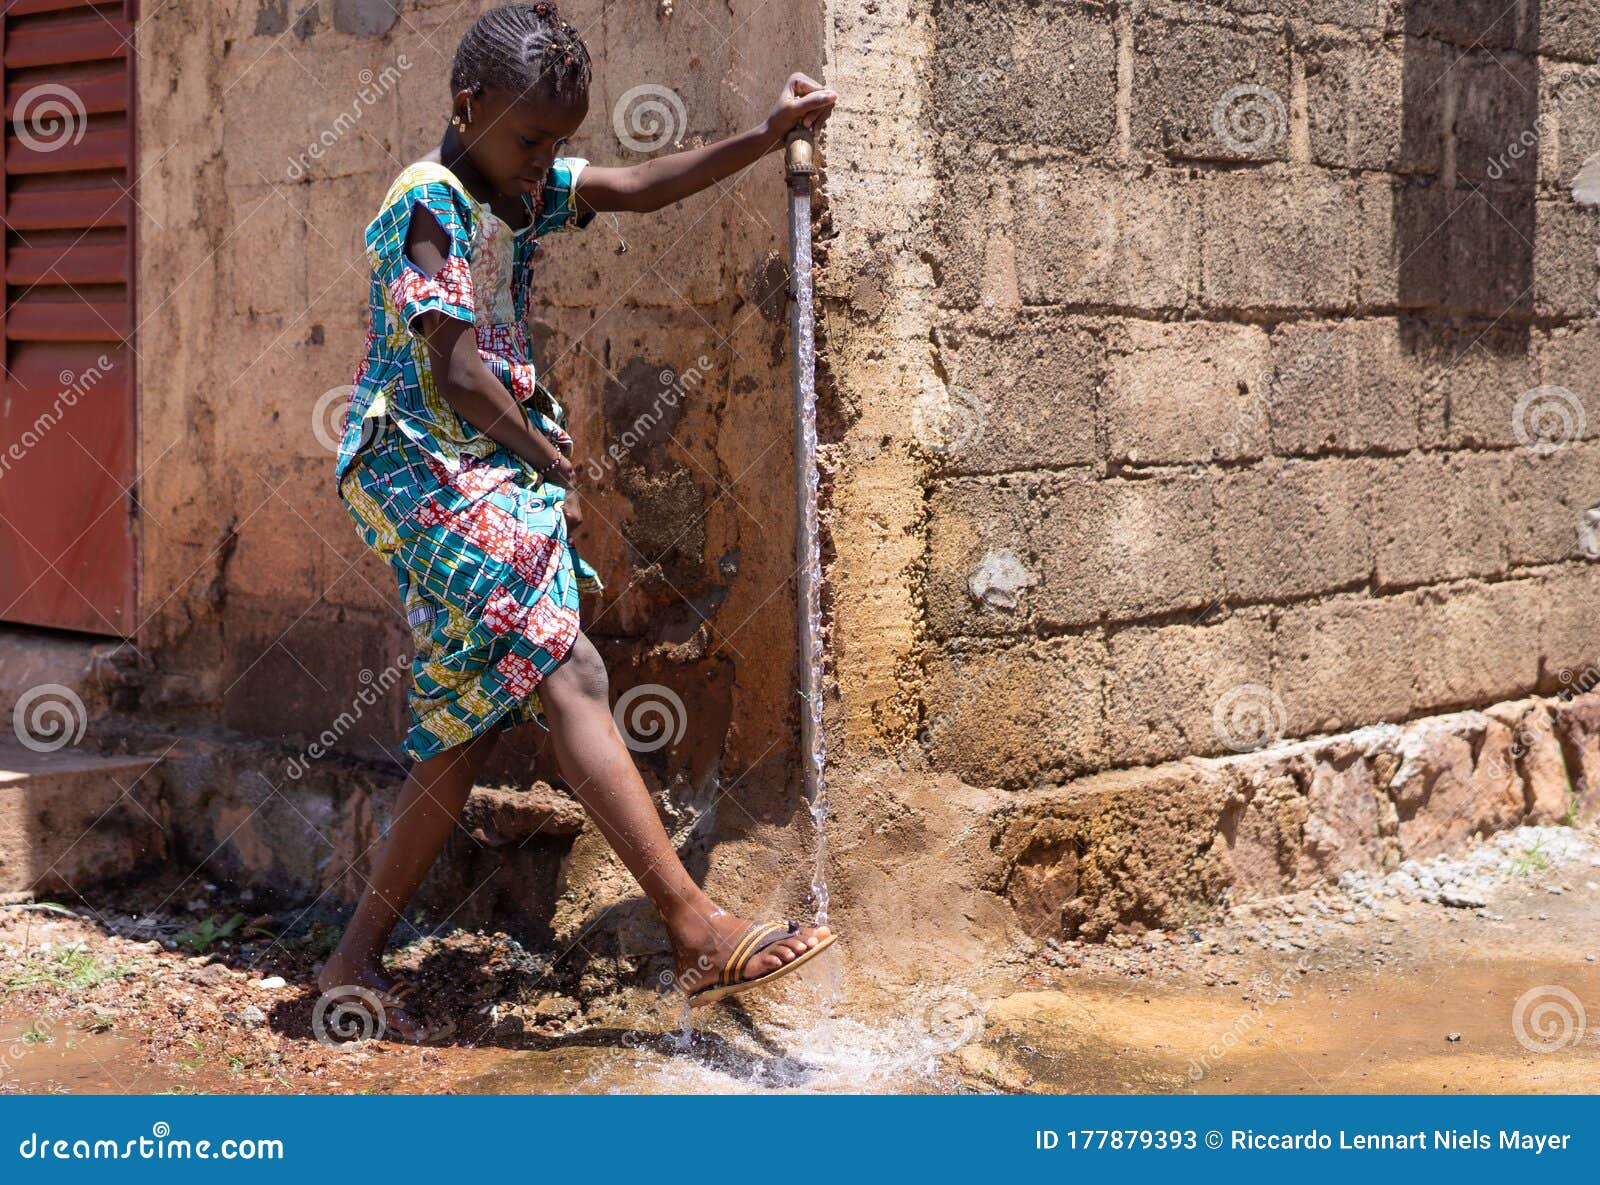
(270, 132)
(1259, 396)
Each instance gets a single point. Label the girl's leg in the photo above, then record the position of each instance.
(424, 814)
(597, 765)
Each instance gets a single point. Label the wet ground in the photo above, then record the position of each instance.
(1469, 975)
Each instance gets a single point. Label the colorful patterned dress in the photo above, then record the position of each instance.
(477, 542)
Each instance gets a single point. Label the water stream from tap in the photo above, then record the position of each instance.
(802, 335)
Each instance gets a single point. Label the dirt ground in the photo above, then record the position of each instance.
(1468, 974)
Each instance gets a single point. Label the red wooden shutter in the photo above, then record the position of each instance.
(67, 425)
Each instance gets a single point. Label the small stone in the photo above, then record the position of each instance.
(271, 983)
(1452, 1036)
(1458, 898)
(252, 1017)
(549, 1008)
(1386, 939)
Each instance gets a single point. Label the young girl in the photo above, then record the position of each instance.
(456, 466)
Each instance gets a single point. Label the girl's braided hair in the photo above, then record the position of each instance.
(522, 48)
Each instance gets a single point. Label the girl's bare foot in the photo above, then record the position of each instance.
(704, 946)
(341, 972)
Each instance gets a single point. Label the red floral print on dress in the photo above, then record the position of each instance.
(451, 284)
(555, 626)
(518, 675)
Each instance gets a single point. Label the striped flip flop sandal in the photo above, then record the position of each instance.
(751, 943)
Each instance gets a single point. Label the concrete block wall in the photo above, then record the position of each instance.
(1242, 356)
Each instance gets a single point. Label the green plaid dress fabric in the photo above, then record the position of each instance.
(477, 541)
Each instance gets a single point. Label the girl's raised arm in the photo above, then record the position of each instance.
(667, 179)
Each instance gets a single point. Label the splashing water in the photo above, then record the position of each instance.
(798, 1047)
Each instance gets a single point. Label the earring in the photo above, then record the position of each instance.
(455, 122)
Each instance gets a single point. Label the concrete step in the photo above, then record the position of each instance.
(51, 677)
(70, 818)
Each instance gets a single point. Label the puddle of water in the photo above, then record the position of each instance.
(1477, 1026)
(39, 1059)
(798, 1047)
